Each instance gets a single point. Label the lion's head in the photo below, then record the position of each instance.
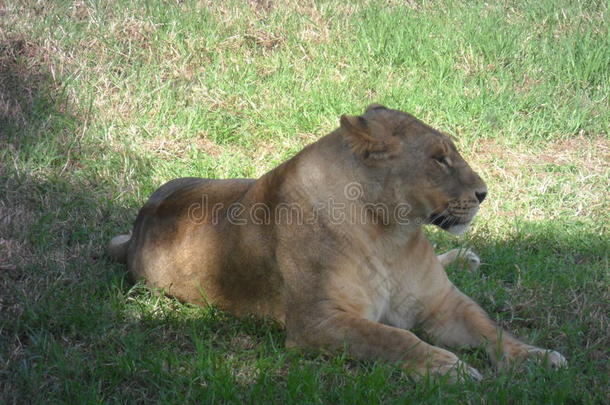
(415, 164)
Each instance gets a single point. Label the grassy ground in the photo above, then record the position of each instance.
(103, 101)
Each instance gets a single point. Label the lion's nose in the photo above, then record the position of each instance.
(480, 195)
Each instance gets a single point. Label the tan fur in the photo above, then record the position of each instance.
(358, 281)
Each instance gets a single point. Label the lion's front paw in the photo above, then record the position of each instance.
(445, 364)
(550, 358)
(462, 256)
(473, 260)
(458, 371)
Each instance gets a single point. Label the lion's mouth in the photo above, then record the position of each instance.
(443, 221)
(449, 222)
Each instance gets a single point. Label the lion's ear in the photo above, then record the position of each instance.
(355, 125)
(364, 142)
(375, 106)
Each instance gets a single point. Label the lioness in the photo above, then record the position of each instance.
(330, 243)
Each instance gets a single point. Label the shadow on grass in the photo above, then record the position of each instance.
(49, 204)
(28, 94)
(55, 217)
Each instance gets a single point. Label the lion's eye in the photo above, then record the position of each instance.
(442, 160)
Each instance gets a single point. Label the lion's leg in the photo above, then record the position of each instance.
(366, 339)
(471, 258)
(459, 322)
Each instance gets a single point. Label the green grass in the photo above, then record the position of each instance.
(103, 101)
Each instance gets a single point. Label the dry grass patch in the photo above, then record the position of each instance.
(577, 169)
(170, 145)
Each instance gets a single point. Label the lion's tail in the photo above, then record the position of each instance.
(117, 248)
